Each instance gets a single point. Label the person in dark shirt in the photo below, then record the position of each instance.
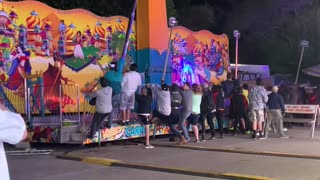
(176, 100)
(239, 105)
(144, 111)
(207, 109)
(219, 98)
(228, 89)
(276, 110)
(227, 86)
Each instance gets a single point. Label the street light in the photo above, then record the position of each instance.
(236, 34)
(303, 44)
(172, 22)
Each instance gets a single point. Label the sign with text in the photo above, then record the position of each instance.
(302, 109)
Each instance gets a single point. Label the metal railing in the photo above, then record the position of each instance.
(53, 105)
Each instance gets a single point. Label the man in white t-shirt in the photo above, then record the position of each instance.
(12, 131)
(130, 83)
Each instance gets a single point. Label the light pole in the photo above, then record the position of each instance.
(236, 34)
(303, 44)
(172, 22)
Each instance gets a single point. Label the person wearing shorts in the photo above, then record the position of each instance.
(193, 118)
(258, 99)
(144, 112)
(129, 84)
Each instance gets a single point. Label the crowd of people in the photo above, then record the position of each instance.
(190, 106)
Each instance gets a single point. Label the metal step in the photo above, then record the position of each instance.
(28, 152)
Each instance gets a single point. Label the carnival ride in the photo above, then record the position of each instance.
(47, 65)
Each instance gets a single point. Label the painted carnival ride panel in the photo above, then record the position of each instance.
(31, 32)
(39, 29)
(199, 57)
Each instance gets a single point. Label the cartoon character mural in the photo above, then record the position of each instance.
(126, 132)
(20, 67)
(197, 61)
(53, 79)
(77, 52)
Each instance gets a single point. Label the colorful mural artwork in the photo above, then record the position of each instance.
(44, 134)
(32, 31)
(135, 131)
(30, 34)
(199, 57)
(71, 49)
(126, 132)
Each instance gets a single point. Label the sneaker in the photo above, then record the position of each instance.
(188, 140)
(254, 136)
(234, 134)
(182, 141)
(108, 125)
(95, 136)
(212, 138)
(261, 136)
(284, 137)
(247, 132)
(202, 138)
(149, 146)
(285, 129)
(197, 141)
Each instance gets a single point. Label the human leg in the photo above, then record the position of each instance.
(247, 121)
(211, 124)
(254, 119)
(220, 122)
(130, 105)
(96, 122)
(123, 106)
(279, 123)
(236, 123)
(183, 117)
(261, 120)
(193, 119)
(203, 125)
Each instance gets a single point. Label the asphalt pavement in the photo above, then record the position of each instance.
(240, 157)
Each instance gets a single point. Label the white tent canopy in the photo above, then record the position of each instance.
(312, 71)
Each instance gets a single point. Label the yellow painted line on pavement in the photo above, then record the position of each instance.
(235, 175)
(167, 169)
(97, 160)
(240, 151)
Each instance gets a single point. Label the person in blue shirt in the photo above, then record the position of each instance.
(276, 111)
(114, 75)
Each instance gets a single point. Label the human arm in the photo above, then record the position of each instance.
(264, 96)
(124, 80)
(93, 94)
(149, 92)
(283, 108)
(120, 66)
(12, 127)
(268, 103)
